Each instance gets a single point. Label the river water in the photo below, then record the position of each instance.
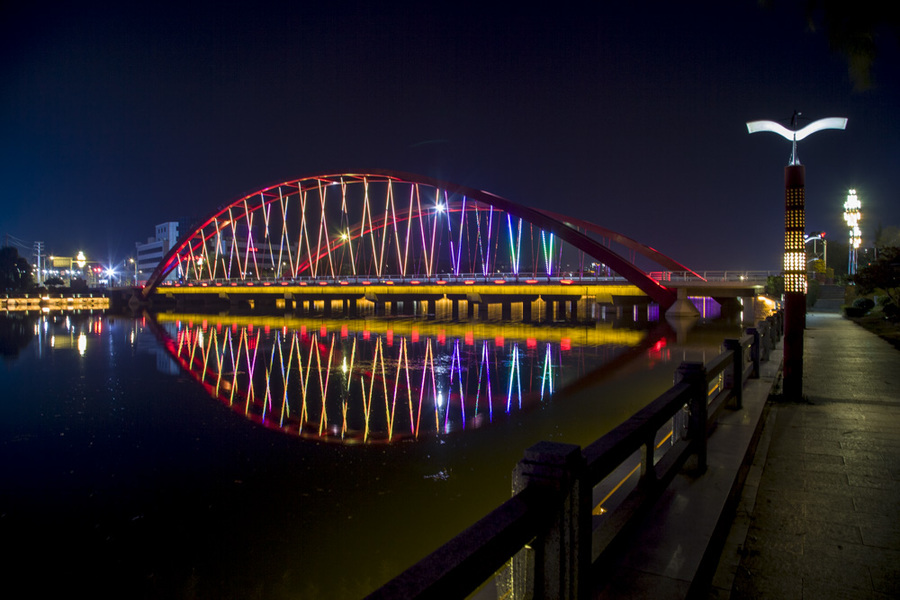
(220, 456)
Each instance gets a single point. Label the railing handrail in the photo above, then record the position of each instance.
(748, 277)
(476, 553)
(463, 564)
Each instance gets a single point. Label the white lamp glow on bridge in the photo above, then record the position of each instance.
(852, 215)
(794, 244)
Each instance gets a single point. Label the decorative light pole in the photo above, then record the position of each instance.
(852, 217)
(794, 246)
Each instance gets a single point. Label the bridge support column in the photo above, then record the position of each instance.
(506, 311)
(482, 311)
(454, 309)
(683, 307)
(573, 310)
(526, 311)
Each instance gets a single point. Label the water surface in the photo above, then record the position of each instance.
(138, 459)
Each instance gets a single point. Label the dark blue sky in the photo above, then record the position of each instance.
(115, 117)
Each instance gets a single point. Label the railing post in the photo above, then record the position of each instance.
(694, 374)
(754, 351)
(766, 344)
(562, 555)
(737, 370)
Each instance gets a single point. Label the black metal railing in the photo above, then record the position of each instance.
(545, 540)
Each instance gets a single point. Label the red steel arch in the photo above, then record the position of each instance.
(203, 249)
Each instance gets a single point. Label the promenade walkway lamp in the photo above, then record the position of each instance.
(794, 246)
(852, 217)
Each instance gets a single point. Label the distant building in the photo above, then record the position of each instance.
(150, 254)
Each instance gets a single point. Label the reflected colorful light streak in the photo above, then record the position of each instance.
(352, 386)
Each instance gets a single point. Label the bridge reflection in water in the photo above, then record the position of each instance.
(377, 381)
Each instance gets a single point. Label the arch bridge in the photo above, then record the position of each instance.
(384, 227)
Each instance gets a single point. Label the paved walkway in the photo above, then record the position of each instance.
(819, 515)
(673, 550)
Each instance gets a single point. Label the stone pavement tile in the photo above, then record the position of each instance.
(869, 481)
(818, 531)
(886, 581)
(792, 463)
(853, 518)
(858, 554)
(856, 458)
(881, 537)
(873, 443)
(875, 470)
(787, 522)
(643, 585)
(763, 545)
(803, 500)
(876, 503)
(763, 586)
(821, 568)
(826, 590)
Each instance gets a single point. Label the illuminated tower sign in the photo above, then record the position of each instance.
(794, 245)
(852, 217)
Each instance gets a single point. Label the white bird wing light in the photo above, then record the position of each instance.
(757, 126)
(796, 136)
(829, 123)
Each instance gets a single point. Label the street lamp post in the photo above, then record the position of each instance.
(794, 246)
(852, 216)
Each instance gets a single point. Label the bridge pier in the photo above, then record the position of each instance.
(547, 316)
(683, 307)
(526, 311)
(482, 311)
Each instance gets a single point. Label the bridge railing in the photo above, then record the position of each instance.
(662, 277)
(712, 276)
(547, 538)
(460, 279)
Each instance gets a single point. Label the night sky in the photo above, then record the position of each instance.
(119, 116)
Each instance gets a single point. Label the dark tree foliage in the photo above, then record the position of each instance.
(15, 272)
(883, 275)
(858, 30)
